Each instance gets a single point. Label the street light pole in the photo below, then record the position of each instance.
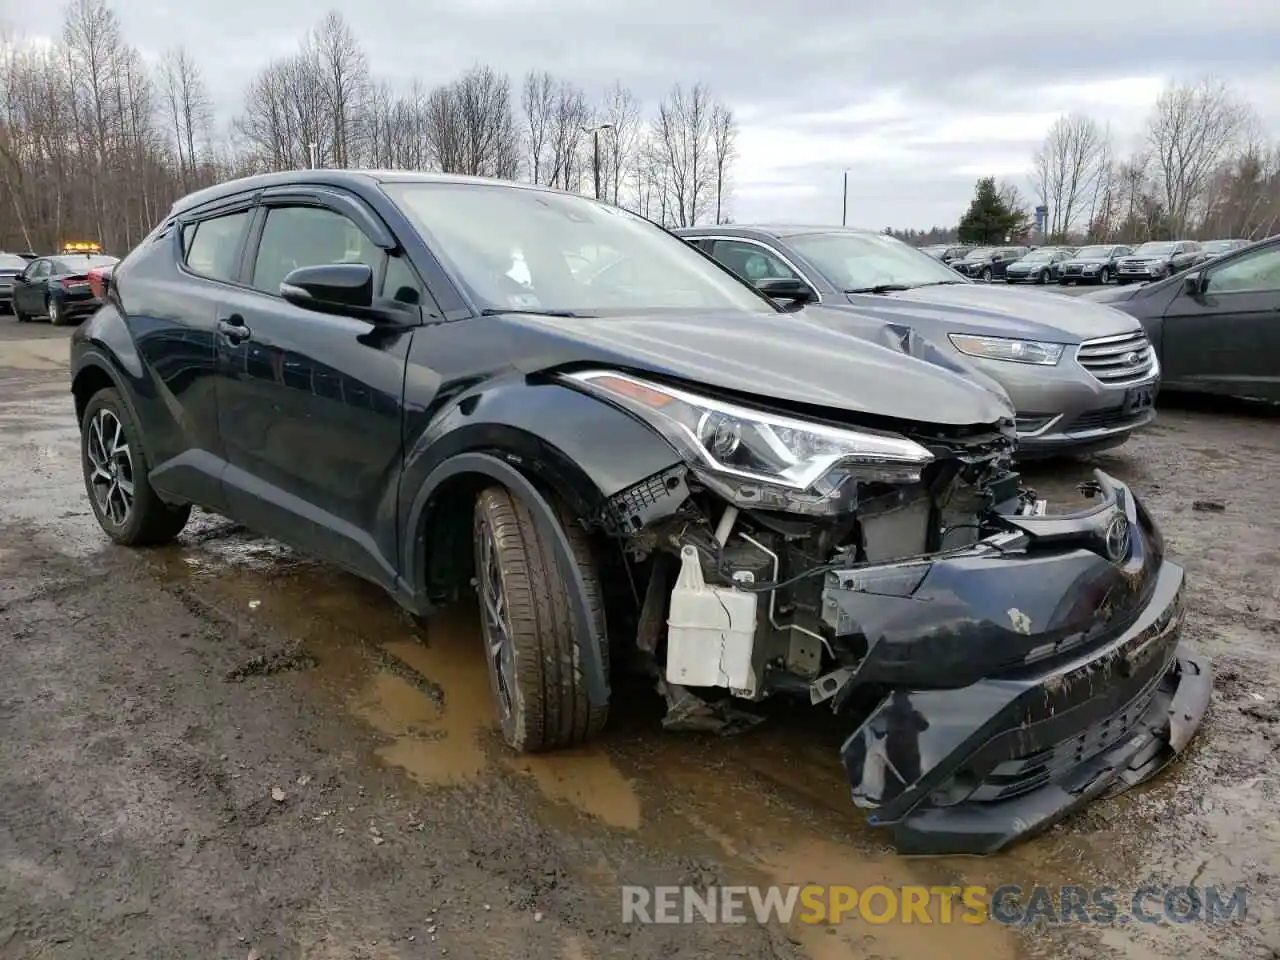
(595, 152)
(844, 207)
(311, 151)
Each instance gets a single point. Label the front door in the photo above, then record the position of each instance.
(30, 288)
(309, 403)
(1227, 338)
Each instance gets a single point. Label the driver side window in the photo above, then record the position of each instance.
(296, 237)
(1257, 272)
(752, 262)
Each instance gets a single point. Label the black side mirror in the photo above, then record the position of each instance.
(330, 285)
(1195, 284)
(343, 289)
(786, 288)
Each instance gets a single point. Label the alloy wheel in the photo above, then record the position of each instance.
(112, 467)
(499, 647)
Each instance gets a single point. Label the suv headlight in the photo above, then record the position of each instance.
(757, 459)
(1003, 348)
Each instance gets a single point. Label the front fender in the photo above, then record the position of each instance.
(562, 440)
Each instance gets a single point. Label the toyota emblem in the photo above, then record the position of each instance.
(1130, 358)
(1117, 538)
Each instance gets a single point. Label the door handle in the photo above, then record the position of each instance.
(234, 329)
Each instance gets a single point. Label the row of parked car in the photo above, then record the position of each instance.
(753, 461)
(57, 287)
(1096, 263)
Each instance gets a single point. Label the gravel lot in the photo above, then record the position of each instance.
(224, 749)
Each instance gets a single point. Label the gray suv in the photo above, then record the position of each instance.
(1082, 377)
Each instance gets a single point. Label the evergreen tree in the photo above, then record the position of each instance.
(989, 219)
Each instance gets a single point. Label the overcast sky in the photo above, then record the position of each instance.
(916, 99)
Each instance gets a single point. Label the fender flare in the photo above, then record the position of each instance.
(502, 472)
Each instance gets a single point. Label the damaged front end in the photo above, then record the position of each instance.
(1002, 666)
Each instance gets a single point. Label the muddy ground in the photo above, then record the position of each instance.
(152, 702)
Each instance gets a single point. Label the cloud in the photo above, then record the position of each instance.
(915, 100)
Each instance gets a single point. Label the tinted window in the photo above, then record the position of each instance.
(401, 283)
(212, 247)
(751, 261)
(296, 237)
(81, 263)
(522, 249)
(1256, 271)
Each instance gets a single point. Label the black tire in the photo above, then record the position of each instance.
(148, 520)
(1104, 277)
(53, 309)
(986, 275)
(1043, 278)
(548, 707)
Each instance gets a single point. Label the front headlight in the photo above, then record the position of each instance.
(1003, 348)
(758, 459)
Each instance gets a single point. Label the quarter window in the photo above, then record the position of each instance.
(296, 237)
(1255, 272)
(211, 247)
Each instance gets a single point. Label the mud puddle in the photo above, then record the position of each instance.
(768, 807)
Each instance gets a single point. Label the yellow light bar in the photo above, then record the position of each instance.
(82, 247)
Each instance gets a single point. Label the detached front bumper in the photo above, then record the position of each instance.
(1016, 683)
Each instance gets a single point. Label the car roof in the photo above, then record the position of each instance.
(335, 178)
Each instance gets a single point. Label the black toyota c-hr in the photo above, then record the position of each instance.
(444, 384)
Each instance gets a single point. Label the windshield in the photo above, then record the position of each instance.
(980, 254)
(1038, 256)
(1092, 253)
(859, 261)
(80, 262)
(10, 262)
(544, 252)
(1154, 248)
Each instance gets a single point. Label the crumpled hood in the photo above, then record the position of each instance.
(998, 311)
(815, 356)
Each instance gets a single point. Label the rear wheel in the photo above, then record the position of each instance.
(115, 476)
(55, 311)
(535, 673)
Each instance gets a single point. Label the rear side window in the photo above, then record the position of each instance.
(211, 247)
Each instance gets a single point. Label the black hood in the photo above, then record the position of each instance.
(1096, 261)
(818, 357)
(997, 311)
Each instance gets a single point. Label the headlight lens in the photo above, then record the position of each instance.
(760, 459)
(1002, 348)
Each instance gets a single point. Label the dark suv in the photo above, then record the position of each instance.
(988, 263)
(444, 384)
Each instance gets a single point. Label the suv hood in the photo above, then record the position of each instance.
(815, 356)
(998, 311)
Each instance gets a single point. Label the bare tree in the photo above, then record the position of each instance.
(537, 102)
(1066, 168)
(682, 134)
(190, 112)
(724, 138)
(569, 117)
(343, 73)
(1193, 129)
(471, 125)
(621, 111)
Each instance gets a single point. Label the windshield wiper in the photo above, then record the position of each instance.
(536, 313)
(883, 288)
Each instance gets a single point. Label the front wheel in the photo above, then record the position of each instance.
(1043, 278)
(986, 274)
(115, 476)
(1104, 277)
(535, 673)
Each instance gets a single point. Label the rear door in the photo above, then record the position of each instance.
(310, 403)
(1227, 338)
(186, 269)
